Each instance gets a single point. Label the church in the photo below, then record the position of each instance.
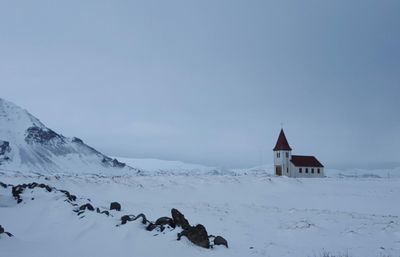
(297, 166)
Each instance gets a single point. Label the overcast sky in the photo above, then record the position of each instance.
(210, 81)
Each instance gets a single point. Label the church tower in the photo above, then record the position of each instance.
(282, 156)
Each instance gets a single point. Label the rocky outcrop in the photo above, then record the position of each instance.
(109, 162)
(179, 219)
(5, 149)
(197, 235)
(43, 136)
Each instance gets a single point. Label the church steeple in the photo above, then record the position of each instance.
(282, 143)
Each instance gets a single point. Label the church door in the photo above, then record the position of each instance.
(278, 170)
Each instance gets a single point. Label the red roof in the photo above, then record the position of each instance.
(282, 143)
(305, 161)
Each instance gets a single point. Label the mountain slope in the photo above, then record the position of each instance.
(26, 144)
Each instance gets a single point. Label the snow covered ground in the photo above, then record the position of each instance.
(259, 214)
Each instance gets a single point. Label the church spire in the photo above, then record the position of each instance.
(282, 143)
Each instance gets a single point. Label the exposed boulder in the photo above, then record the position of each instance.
(87, 206)
(179, 219)
(197, 235)
(115, 206)
(126, 218)
(165, 221)
(219, 240)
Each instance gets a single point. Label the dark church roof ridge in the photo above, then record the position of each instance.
(305, 161)
(282, 143)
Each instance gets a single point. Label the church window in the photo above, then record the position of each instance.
(318, 170)
(278, 154)
(300, 170)
(312, 170)
(287, 170)
(287, 155)
(306, 170)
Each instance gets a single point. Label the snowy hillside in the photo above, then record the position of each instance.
(26, 144)
(163, 167)
(259, 215)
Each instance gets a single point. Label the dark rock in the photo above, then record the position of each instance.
(107, 161)
(219, 240)
(115, 206)
(151, 227)
(4, 150)
(48, 188)
(106, 213)
(72, 198)
(126, 218)
(144, 219)
(197, 235)
(77, 140)
(5, 232)
(179, 219)
(32, 185)
(43, 136)
(17, 190)
(64, 191)
(165, 221)
(8, 234)
(42, 185)
(116, 163)
(3, 185)
(4, 147)
(87, 206)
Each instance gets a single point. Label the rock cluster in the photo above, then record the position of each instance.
(196, 234)
(19, 189)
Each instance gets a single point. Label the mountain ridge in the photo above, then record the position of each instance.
(26, 144)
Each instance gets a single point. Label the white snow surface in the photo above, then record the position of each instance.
(259, 214)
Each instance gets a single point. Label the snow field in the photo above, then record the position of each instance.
(259, 215)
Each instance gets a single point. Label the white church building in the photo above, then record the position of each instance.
(297, 166)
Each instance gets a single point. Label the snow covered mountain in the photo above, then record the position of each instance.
(26, 144)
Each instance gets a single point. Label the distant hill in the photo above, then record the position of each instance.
(26, 144)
